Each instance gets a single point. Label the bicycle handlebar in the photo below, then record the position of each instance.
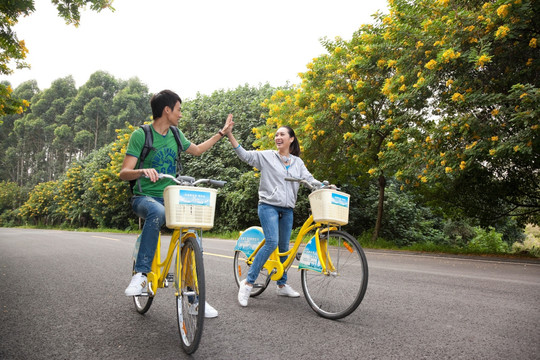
(190, 181)
(312, 187)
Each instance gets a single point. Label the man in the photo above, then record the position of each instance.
(147, 201)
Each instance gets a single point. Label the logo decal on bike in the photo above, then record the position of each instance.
(249, 240)
(310, 259)
(192, 197)
(340, 200)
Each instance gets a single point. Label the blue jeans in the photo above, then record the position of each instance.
(152, 211)
(277, 225)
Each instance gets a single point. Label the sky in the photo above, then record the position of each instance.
(190, 47)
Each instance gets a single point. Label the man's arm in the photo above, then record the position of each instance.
(129, 172)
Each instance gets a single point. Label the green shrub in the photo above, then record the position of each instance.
(487, 242)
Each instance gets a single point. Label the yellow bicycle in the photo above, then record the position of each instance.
(188, 210)
(334, 269)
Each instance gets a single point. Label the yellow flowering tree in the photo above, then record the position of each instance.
(107, 195)
(40, 206)
(349, 111)
(479, 63)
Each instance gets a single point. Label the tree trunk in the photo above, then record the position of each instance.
(96, 133)
(380, 208)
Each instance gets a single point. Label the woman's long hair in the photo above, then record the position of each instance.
(294, 148)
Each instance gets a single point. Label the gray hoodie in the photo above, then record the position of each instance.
(273, 189)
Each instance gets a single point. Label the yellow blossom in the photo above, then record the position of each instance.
(450, 54)
(423, 179)
(347, 135)
(391, 145)
(492, 152)
(449, 82)
(532, 43)
(448, 169)
(402, 88)
(458, 97)
(482, 60)
(419, 44)
(495, 112)
(529, 62)
(371, 171)
(502, 11)
(431, 64)
(502, 31)
(516, 148)
(523, 95)
(463, 165)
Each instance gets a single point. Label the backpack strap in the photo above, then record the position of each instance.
(176, 134)
(148, 142)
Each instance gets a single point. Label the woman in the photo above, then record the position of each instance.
(277, 199)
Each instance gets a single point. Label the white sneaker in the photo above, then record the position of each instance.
(287, 291)
(137, 286)
(244, 292)
(209, 311)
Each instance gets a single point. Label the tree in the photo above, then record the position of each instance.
(14, 50)
(480, 65)
(203, 117)
(344, 113)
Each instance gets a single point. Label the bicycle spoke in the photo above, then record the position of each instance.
(338, 292)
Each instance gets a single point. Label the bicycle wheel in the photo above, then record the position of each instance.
(190, 297)
(142, 303)
(338, 293)
(241, 269)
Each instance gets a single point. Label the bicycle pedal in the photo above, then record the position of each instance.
(258, 286)
(298, 255)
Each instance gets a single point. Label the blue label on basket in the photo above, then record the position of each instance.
(191, 197)
(309, 259)
(249, 240)
(340, 200)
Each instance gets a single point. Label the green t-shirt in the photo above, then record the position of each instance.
(162, 157)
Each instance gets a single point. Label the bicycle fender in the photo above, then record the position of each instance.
(249, 240)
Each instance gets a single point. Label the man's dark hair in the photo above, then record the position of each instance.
(162, 99)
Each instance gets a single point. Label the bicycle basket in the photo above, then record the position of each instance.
(330, 206)
(189, 207)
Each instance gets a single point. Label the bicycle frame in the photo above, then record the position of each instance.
(274, 266)
(157, 278)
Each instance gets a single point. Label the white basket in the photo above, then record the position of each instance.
(189, 207)
(330, 206)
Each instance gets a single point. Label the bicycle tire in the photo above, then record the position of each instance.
(191, 295)
(241, 269)
(337, 295)
(142, 303)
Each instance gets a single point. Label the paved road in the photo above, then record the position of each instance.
(62, 298)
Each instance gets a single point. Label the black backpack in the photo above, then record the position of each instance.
(148, 142)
